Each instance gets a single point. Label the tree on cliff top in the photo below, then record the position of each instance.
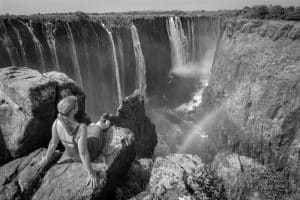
(81, 15)
(276, 12)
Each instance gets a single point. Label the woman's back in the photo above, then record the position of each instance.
(69, 140)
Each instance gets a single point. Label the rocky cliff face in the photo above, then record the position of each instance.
(28, 108)
(254, 93)
(30, 97)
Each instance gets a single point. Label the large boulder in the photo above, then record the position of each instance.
(131, 114)
(28, 108)
(136, 180)
(245, 178)
(68, 180)
(181, 176)
(18, 179)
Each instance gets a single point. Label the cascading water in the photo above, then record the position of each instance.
(23, 53)
(74, 55)
(50, 29)
(178, 43)
(38, 48)
(140, 62)
(8, 44)
(109, 65)
(117, 73)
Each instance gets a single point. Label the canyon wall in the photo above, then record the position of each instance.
(253, 94)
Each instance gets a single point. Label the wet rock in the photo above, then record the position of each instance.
(131, 114)
(28, 108)
(19, 180)
(68, 180)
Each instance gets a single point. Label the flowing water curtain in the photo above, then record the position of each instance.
(74, 54)
(140, 61)
(50, 30)
(38, 47)
(178, 42)
(5, 39)
(116, 66)
(23, 52)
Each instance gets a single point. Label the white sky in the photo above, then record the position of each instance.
(49, 6)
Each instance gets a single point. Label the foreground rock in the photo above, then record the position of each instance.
(131, 114)
(136, 180)
(68, 180)
(28, 108)
(18, 180)
(181, 176)
(244, 178)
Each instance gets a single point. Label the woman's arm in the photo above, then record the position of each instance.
(53, 143)
(82, 148)
(84, 154)
(51, 148)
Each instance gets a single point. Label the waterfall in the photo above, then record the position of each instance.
(24, 59)
(114, 54)
(191, 40)
(50, 29)
(140, 62)
(38, 47)
(8, 44)
(178, 42)
(74, 54)
(121, 62)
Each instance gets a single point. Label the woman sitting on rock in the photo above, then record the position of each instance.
(81, 143)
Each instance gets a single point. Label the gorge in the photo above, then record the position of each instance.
(211, 83)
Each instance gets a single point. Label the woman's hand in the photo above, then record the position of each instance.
(40, 165)
(93, 179)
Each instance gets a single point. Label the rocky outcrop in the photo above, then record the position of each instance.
(68, 180)
(26, 91)
(136, 180)
(181, 176)
(28, 108)
(245, 178)
(254, 89)
(18, 179)
(131, 114)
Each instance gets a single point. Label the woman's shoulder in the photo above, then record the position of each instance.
(82, 127)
